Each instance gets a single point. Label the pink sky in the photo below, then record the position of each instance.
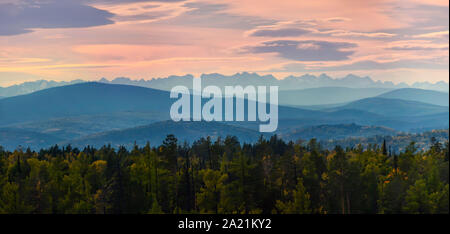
(400, 41)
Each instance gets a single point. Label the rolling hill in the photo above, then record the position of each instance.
(82, 99)
(155, 133)
(11, 138)
(327, 95)
(393, 107)
(418, 95)
(98, 112)
(33, 86)
(77, 126)
(97, 98)
(326, 132)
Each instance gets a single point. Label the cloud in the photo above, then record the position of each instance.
(22, 60)
(432, 35)
(202, 14)
(337, 19)
(143, 16)
(140, 11)
(23, 17)
(131, 1)
(421, 15)
(374, 65)
(412, 48)
(307, 50)
(418, 45)
(318, 27)
(282, 32)
(344, 33)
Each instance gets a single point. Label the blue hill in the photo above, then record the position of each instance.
(82, 99)
(155, 133)
(394, 107)
(418, 95)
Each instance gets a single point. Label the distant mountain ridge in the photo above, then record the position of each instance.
(33, 86)
(13, 137)
(289, 83)
(306, 81)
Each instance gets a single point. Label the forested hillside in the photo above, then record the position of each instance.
(225, 176)
(397, 143)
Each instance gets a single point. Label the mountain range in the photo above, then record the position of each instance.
(33, 86)
(306, 81)
(100, 113)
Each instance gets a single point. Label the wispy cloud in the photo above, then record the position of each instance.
(307, 50)
(282, 32)
(432, 35)
(135, 11)
(213, 15)
(364, 65)
(313, 28)
(345, 33)
(23, 18)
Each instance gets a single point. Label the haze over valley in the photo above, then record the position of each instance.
(123, 111)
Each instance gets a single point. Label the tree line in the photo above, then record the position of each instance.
(224, 176)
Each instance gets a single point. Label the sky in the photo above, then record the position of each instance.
(388, 40)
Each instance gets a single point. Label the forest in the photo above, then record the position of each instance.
(225, 176)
